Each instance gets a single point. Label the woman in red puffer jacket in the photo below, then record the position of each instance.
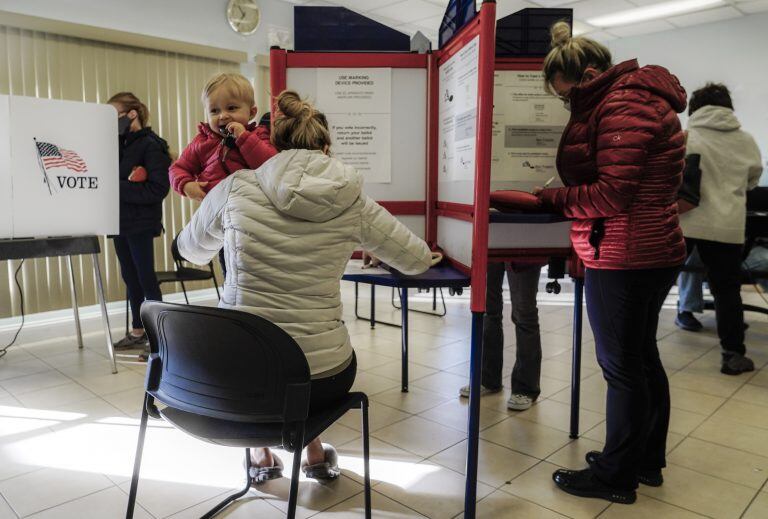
(621, 160)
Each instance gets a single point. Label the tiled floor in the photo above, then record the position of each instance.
(68, 430)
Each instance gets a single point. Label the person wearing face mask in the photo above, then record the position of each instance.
(144, 162)
(621, 160)
(291, 227)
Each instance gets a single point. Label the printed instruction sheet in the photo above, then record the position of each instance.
(457, 127)
(527, 124)
(358, 105)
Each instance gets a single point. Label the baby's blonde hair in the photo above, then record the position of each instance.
(298, 125)
(570, 56)
(236, 84)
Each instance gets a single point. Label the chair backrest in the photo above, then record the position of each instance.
(224, 364)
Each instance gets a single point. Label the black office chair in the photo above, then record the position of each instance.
(202, 366)
(181, 274)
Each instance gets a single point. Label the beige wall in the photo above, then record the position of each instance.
(42, 64)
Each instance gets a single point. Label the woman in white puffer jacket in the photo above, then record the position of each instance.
(288, 230)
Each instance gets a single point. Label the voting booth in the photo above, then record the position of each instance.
(60, 159)
(59, 171)
(423, 131)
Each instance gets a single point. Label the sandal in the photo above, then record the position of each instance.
(260, 475)
(325, 471)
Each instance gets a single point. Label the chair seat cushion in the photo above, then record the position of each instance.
(255, 434)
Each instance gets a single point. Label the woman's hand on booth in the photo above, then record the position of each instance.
(194, 190)
(370, 261)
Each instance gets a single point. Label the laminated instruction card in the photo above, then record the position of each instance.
(358, 103)
(527, 124)
(457, 126)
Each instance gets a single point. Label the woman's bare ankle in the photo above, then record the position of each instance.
(262, 457)
(315, 452)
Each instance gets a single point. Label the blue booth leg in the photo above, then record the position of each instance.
(404, 329)
(473, 429)
(578, 298)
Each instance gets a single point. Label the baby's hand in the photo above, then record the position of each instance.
(194, 190)
(236, 129)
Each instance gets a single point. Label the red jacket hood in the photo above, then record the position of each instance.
(629, 76)
(204, 129)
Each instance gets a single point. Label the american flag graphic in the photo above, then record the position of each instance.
(55, 157)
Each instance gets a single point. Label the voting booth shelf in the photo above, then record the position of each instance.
(425, 134)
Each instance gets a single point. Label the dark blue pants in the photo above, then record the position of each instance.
(623, 308)
(137, 265)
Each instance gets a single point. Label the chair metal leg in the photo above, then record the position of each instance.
(137, 460)
(215, 284)
(366, 458)
(184, 289)
(233, 497)
(293, 496)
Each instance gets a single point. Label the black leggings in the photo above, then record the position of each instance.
(137, 265)
(328, 390)
(623, 308)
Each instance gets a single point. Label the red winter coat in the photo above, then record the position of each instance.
(201, 159)
(621, 160)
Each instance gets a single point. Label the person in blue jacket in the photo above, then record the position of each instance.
(144, 163)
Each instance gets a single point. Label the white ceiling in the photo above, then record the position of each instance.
(410, 16)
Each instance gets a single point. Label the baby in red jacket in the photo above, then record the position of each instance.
(227, 143)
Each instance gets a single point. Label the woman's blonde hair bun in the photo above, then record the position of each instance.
(561, 34)
(291, 105)
(298, 125)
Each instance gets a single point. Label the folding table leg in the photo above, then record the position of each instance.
(373, 306)
(578, 297)
(104, 315)
(404, 359)
(473, 428)
(75, 309)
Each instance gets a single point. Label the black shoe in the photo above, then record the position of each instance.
(688, 322)
(651, 478)
(583, 483)
(735, 364)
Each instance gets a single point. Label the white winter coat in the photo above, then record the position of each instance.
(730, 166)
(288, 230)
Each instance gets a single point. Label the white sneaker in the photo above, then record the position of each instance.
(518, 402)
(464, 392)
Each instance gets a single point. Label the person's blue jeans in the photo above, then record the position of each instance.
(758, 260)
(689, 285)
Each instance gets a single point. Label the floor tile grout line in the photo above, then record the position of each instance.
(76, 498)
(754, 498)
(13, 510)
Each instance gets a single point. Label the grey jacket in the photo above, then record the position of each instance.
(288, 230)
(730, 166)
